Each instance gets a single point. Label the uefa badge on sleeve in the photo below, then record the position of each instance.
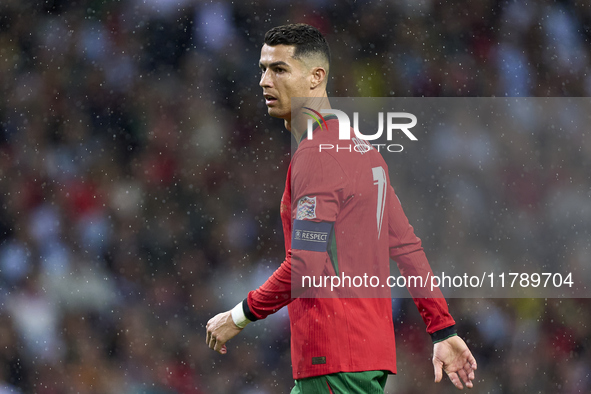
(306, 208)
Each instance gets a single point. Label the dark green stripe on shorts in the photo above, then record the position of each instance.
(367, 382)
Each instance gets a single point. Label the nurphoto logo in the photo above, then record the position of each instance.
(392, 124)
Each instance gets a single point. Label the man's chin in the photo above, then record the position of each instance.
(277, 113)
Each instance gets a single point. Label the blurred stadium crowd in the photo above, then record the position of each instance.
(140, 180)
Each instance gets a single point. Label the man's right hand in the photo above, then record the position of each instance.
(220, 329)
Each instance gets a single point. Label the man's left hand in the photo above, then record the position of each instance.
(220, 329)
(454, 357)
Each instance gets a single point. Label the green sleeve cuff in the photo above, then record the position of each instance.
(246, 309)
(443, 334)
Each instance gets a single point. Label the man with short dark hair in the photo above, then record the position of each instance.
(344, 199)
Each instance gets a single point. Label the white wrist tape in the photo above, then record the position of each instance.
(239, 317)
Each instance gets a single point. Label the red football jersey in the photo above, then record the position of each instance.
(341, 216)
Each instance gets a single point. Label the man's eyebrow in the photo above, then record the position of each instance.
(274, 64)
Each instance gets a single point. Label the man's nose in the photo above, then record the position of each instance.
(265, 79)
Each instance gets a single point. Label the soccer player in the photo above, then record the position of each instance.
(338, 344)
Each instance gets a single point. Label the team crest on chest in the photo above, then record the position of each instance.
(306, 208)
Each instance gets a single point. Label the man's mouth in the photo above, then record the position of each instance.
(269, 99)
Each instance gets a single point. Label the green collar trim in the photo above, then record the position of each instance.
(326, 119)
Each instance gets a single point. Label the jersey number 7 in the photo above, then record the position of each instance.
(379, 178)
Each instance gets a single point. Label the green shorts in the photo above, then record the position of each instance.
(367, 382)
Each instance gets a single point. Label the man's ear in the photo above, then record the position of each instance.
(318, 76)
